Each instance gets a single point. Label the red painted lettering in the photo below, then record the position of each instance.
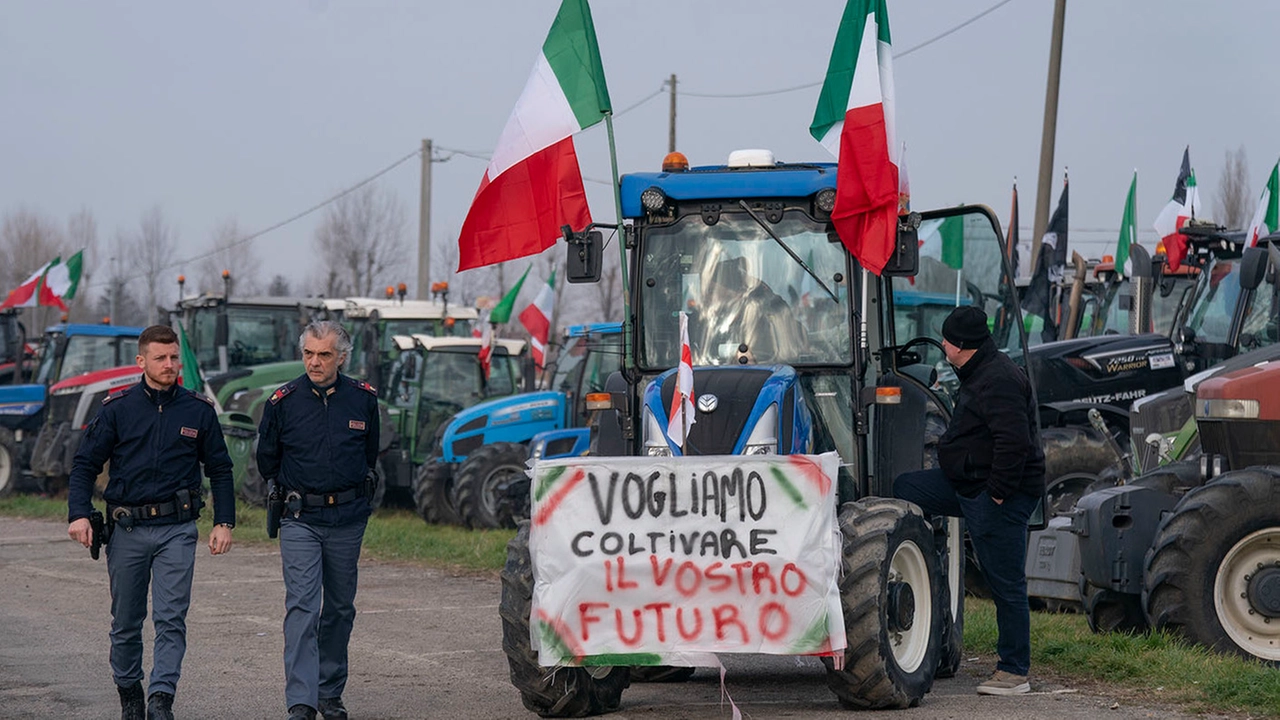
(717, 581)
(608, 575)
(759, 574)
(781, 621)
(660, 571)
(797, 576)
(697, 628)
(657, 609)
(586, 616)
(688, 569)
(726, 615)
(738, 568)
(622, 635)
(623, 582)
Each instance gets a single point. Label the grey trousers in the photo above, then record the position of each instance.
(319, 565)
(163, 557)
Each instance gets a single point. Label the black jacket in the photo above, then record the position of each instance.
(321, 441)
(993, 441)
(156, 441)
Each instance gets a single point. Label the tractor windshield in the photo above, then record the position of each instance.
(85, 353)
(960, 264)
(1215, 303)
(747, 297)
(255, 335)
(1262, 318)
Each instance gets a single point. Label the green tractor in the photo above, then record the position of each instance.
(797, 350)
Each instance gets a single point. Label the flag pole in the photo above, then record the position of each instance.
(628, 362)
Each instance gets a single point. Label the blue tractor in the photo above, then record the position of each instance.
(477, 474)
(796, 348)
(65, 351)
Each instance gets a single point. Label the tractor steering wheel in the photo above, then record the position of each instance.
(904, 356)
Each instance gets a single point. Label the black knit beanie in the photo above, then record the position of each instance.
(966, 327)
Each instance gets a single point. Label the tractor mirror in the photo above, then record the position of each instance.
(1253, 268)
(583, 259)
(905, 261)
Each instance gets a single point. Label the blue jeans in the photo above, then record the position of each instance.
(319, 564)
(162, 557)
(999, 535)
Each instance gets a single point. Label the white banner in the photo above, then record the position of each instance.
(659, 561)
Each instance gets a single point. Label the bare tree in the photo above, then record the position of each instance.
(361, 242)
(239, 260)
(1231, 204)
(150, 252)
(279, 286)
(119, 301)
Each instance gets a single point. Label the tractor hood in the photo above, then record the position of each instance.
(21, 400)
(1111, 369)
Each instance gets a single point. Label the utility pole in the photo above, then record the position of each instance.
(671, 128)
(424, 226)
(1048, 136)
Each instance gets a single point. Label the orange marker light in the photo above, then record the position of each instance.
(675, 162)
(391, 291)
(888, 396)
(599, 401)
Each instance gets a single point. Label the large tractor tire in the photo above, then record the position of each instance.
(550, 692)
(1074, 451)
(484, 486)
(953, 564)
(379, 490)
(8, 462)
(890, 589)
(1109, 611)
(431, 493)
(1213, 571)
(253, 489)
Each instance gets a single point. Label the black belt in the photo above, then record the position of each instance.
(151, 511)
(331, 499)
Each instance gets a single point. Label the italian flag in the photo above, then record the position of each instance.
(1128, 234)
(1266, 219)
(536, 318)
(36, 290)
(854, 121)
(1181, 207)
(63, 279)
(533, 186)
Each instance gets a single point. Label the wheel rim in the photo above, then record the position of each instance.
(908, 567)
(6, 467)
(955, 563)
(495, 486)
(1243, 623)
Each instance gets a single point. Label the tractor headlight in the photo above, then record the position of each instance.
(826, 200)
(1227, 408)
(537, 448)
(764, 436)
(653, 199)
(655, 440)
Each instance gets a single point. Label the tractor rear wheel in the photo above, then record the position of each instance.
(431, 491)
(890, 591)
(486, 484)
(550, 692)
(8, 462)
(253, 489)
(1109, 611)
(1213, 573)
(952, 563)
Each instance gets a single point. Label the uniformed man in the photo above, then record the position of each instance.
(156, 435)
(318, 441)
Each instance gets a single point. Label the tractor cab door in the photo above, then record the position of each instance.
(963, 261)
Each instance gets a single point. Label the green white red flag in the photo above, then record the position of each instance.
(533, 186)
(854, 120)
(1183, 206)
(536, 318)
(1266, 219)
(1128, 233)
(34, 290)
(682, 415)
(63, 279)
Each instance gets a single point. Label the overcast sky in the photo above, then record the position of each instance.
(258, 110)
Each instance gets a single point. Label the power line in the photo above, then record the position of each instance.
(282, 223)
(896, 56)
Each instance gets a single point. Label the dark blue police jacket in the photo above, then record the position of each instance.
(314, 440)
(156, 441)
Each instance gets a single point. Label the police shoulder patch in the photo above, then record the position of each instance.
(280, 392)
(364, 386)
(116, 394)
(205, 398)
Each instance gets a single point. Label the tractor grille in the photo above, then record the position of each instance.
(716, 433)
(62, 408)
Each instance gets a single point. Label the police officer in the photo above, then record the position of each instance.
(318, 441)
(156, 435)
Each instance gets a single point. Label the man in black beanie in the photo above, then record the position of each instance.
(990, 472)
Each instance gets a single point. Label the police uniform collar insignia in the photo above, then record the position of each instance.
(116, 394)
(363, 386)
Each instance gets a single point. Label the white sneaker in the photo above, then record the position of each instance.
(1003, 683)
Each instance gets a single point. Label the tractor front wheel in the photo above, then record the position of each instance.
(431, 493)
(1213, 572)
(8, 462)
(890, 589)
(488, 484)
(550, 692)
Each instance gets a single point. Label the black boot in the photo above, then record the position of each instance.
(332, 709)
(302, 712)
(131, 702)
(160, 706)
